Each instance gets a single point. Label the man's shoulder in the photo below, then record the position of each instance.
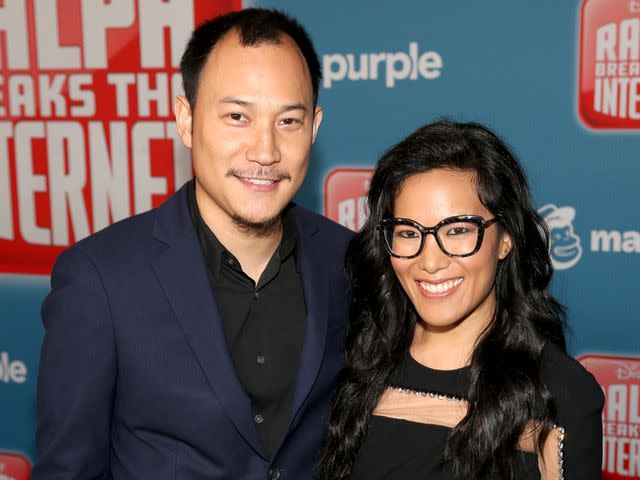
(125, 235)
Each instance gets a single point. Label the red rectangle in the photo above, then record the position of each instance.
(609, 91)
(87, 134)
(345, 192)
(14, 467)
(619, 378)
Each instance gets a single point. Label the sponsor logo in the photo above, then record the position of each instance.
(345, 196)
(615, 241)
(390, 66)
(609, 91)
(14, 467)
(619, 378)
(87, 135)
(565, 249)
(12, 371)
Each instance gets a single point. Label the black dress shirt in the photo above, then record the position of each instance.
(264, 323)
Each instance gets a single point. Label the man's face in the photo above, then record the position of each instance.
(251, 131)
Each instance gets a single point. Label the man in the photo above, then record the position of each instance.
(202, 339)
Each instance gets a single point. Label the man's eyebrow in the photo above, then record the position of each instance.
(236, 100)
(294, 106)
(245, 103)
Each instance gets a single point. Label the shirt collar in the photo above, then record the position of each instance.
(215, 253)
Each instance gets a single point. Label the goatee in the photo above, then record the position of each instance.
(264, 228)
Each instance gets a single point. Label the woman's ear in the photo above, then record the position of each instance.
(505, 246)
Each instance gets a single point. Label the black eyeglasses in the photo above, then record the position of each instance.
(459, 236)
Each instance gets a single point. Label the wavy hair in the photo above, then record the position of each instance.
(506, 390)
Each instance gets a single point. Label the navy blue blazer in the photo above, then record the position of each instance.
(136, 380)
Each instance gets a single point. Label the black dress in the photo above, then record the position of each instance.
(405, 450)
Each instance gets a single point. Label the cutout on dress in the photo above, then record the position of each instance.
(433, 409)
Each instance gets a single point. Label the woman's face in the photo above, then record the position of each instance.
(448, 291)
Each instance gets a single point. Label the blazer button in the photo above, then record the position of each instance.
(274, 474)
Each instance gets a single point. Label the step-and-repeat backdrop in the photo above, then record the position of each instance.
(87, 138)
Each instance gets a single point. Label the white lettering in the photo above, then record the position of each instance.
(121, 81)
(98, 17)
(629, 39)
(615, 241)
(50, 54)
(66, 183)
(109, 174)
(85, 97)
(398, 66)
(156, 15)
(6, 212)
(606, 42)
(29, 183)
(329, 73)
(392, 73)
(145, 185)
(158, 95)
(51, 93)
(15, 371)
(13, 22)
(3, 110)
(430, 65)
(21, 96)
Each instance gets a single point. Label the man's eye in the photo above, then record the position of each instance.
(290, 122)
(236, 117)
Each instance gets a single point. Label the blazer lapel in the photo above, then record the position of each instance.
(314, 284)
(182, 273)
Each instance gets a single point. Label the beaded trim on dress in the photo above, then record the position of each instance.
(439, 396)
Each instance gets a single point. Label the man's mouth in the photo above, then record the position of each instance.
(258, 181)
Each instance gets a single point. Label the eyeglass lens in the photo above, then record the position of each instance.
(459, 238)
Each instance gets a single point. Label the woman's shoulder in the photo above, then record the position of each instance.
(568, 381)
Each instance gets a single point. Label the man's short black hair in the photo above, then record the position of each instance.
(254, 26)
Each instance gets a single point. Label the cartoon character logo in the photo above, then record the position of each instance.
(565, 248)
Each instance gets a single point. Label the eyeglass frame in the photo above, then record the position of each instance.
(478, 220)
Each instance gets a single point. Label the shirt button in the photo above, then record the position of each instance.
(260, 360)
(259, 418)
(230, 261)
(256, 295)
(274, 474)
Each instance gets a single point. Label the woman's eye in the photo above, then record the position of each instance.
(407, 234)
(458, 231)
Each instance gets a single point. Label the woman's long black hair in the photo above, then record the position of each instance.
(506, 390)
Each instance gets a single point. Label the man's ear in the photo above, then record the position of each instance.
(317, 120)
(506, 244)
(184, 119)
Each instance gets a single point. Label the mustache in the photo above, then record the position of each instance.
(264, 173)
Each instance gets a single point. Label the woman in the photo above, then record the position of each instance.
(456, 363)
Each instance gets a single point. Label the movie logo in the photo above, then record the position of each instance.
(345, 196)
(609, 91)
(14, 466)
(87, 135)
(619, 378)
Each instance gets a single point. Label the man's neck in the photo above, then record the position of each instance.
(252, 250)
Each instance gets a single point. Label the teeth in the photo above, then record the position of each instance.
(257, 181)
(440, 287)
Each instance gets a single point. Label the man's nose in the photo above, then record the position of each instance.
(263, 148)
(432, 258)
